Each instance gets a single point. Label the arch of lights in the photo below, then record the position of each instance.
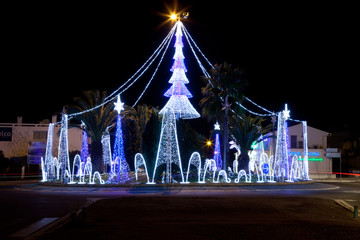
(262, 167)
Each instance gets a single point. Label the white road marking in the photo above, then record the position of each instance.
(356, 191)
(296, 189)
(27, 231)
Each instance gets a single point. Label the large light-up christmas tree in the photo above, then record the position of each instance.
(179, 103)
(178, 106)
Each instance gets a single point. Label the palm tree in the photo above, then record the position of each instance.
(140, 116)
(246, 130)
(223, 89)
(96, 121)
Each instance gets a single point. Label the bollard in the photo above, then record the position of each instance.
(356, 211)
(73, 216)
(83, 214)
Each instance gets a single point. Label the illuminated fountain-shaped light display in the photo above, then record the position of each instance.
(54, 170)
(265, 168)
(280, 167)
(105, 141)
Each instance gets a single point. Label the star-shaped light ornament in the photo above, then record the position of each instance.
(119, 105)
(286, 112)
(216, 126)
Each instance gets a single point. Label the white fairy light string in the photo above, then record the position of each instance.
(113, 95)
(157, 67)
(156, 53)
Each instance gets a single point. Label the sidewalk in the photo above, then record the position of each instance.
(212, 218)
(338, 180)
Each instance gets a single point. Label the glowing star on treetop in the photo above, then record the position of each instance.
(217, 126)
(286, 113)
(119, 106)
(173, 16)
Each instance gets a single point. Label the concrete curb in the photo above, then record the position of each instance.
(345, 205)
(173, 185)
(352, 180)
(61, 221)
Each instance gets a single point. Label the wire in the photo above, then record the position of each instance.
(157, 67)
(111, 97)
(187, 33)
(156, 53)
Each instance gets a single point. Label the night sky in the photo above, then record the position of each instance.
(295, 53)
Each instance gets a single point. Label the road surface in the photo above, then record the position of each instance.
(23, 203)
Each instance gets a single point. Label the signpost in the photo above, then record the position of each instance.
(5, 134)
(333, 153)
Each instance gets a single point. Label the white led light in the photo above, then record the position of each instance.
(119, 106)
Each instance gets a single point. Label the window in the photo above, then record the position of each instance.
(293, 142)
(39, 135)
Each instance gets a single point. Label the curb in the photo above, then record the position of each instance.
(357, 180)
(174, 185)
(61, 221)
(345, 205)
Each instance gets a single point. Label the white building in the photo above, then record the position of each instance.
(24, 139)
(319, 165)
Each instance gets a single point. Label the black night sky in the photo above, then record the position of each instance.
(296, 53)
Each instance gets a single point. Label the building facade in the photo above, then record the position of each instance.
(319, 165)
(19, 140)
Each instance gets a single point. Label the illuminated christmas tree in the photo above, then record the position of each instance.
(84, 153)
(178, 106)
(281, 154)
(63, 150)
(179, 103)
(122, 169)
(217, 151)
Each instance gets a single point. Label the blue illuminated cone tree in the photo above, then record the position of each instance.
(121, 166)
(217, 152)
(84, 154)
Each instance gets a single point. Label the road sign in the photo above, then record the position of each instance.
(265, 168)
(331, 150)
(333, 154)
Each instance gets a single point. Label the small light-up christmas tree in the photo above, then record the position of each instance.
(121, 166)
(217, 151)
(281, 154)
(84, 153)
(63, 150)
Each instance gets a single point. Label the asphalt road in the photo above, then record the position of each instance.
(23, 203)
